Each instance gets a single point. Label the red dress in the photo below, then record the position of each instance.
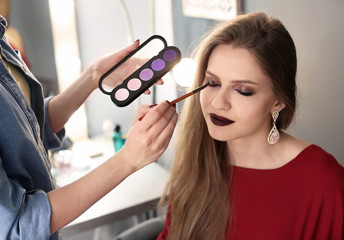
(303, 199)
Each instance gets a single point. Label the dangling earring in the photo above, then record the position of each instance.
(274, 134)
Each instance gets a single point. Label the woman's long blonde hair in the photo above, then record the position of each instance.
(199, 186)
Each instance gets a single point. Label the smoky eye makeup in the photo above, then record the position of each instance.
(212, 81)
(243, 90)
(247, 94)
(144, 77)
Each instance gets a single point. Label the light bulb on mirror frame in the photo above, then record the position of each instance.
(184, 72)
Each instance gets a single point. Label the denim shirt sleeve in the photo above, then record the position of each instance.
(51, 140)
(24, 215)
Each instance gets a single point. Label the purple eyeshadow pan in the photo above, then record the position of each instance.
(121, 94)
(146, 74)
(158, 65)
(170, 55)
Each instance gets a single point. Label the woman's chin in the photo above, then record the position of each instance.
(218, 136)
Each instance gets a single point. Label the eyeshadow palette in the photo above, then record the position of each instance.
(144, 77)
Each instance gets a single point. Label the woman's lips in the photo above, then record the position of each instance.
(220, 121)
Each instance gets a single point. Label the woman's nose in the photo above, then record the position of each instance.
(221, 101)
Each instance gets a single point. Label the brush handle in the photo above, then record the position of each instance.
(190, 93)
(182, 97)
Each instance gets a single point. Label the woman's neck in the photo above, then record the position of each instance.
(262, 155)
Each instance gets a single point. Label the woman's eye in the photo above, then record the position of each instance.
(243, 92)
(213, 84)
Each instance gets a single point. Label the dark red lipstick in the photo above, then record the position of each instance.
(220, 121)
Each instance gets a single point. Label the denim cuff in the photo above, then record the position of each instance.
(51, 140)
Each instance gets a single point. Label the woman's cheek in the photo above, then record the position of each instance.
(203, 99)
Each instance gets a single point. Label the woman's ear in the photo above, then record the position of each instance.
(278, 105)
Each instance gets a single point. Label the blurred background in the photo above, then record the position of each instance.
(62, 37)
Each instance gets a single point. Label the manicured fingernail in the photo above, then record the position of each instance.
(167, 102)
(136, 40)
(174, 105)
(153, 105)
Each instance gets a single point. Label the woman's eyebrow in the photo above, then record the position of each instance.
(245, 81)
(234, 81)
(211, 74)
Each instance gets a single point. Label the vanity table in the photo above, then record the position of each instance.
(138, 193)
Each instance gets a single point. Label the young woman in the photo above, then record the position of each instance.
(237, 173)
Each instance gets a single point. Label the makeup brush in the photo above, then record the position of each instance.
(186, 95)
(190, 93)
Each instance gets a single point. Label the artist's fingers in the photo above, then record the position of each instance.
(113, 58)
(159, 135)
(154, 115)
(158, 138)
(127, 50)
(163, 121)
(165, 136)
(147, 92)
(143, 145)
(160, 82)
(142, 111)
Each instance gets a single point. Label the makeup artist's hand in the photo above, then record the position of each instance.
(148, 139)
(104, 63)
